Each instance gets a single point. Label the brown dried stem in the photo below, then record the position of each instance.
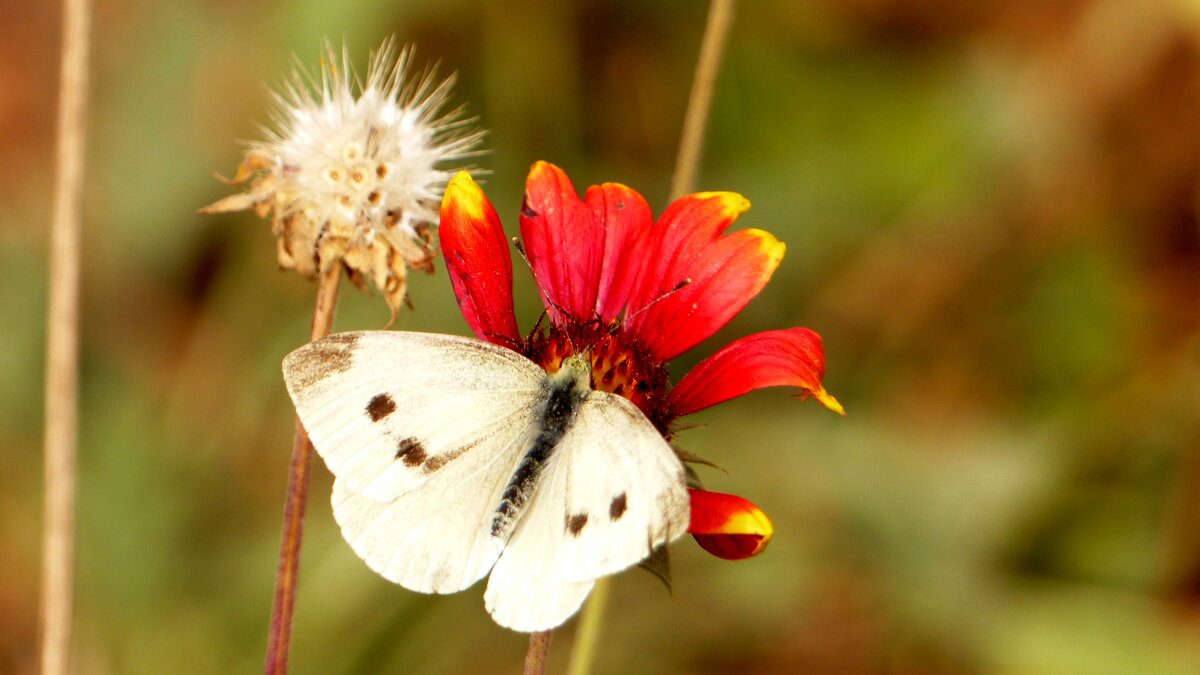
(279, 640)
(539, 647)
(62, 346)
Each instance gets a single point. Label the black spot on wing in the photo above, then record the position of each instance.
(411, 451)
(527, 210)
(576, 522)
(617, 508)
(380, 406)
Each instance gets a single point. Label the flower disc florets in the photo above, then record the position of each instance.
(619, 366)
(351, 172)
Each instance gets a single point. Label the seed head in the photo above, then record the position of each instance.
(351, 172)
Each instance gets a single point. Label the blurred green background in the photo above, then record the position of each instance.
(991, 213)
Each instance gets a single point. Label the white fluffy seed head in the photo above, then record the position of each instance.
(359, 151)
(352, 170)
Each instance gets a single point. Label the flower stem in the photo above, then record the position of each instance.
(286, 576)
(691, 142)
(687, 161)
(588, 635)
(539, 647)
(62, 346)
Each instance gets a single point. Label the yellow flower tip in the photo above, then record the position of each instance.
(465, 194)
(772, 249)
(750, 522)
(616, 186)
(541, 167)
(732, 203)
(829, 401)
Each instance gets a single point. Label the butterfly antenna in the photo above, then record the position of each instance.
(537, 324)
(512, 344)
(678, 287)
(521, 250)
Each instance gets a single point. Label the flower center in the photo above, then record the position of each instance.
(619, 366)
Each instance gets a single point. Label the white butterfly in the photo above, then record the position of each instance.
(454, 456)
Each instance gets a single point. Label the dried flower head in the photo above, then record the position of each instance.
(350, 172)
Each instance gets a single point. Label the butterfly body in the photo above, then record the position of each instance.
(454, 457)
(566, 391)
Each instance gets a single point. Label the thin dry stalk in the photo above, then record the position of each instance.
(539, 647)
(687, 162)
(62, 346)
(691, 142)
(280, 637)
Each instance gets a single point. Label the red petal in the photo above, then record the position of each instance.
(791, 357)
(625, 217)
(478, 262)
(579, 249)
(563, 243)
(728, 526)
(726, 271)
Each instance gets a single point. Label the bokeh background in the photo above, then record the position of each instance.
(991, 213)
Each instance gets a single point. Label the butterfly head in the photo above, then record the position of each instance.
(605, 357)
(577, 369)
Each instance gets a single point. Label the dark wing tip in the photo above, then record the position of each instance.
(315, 361)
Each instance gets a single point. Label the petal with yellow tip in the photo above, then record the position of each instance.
(723, 272)
(478, 262)
(728, 526)
(792, 357)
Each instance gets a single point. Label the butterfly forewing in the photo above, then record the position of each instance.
(388, 410)
(436, 538)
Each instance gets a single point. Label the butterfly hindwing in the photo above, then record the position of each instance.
(624, 489)
(526, 591)
(388, 410)
(611, 493)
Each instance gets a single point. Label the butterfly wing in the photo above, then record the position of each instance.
(525, 591)
(625, 491)
(435, 538)
(387, 410)
(612, 492)
(422, 432)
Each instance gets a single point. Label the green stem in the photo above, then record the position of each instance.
(588, 635)
(687, 162)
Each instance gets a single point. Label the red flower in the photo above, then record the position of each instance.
(610, 277)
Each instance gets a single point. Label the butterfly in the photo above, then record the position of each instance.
(454, 457)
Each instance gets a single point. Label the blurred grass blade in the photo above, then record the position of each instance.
(712, 48)
(695, 120)
(62, 346)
